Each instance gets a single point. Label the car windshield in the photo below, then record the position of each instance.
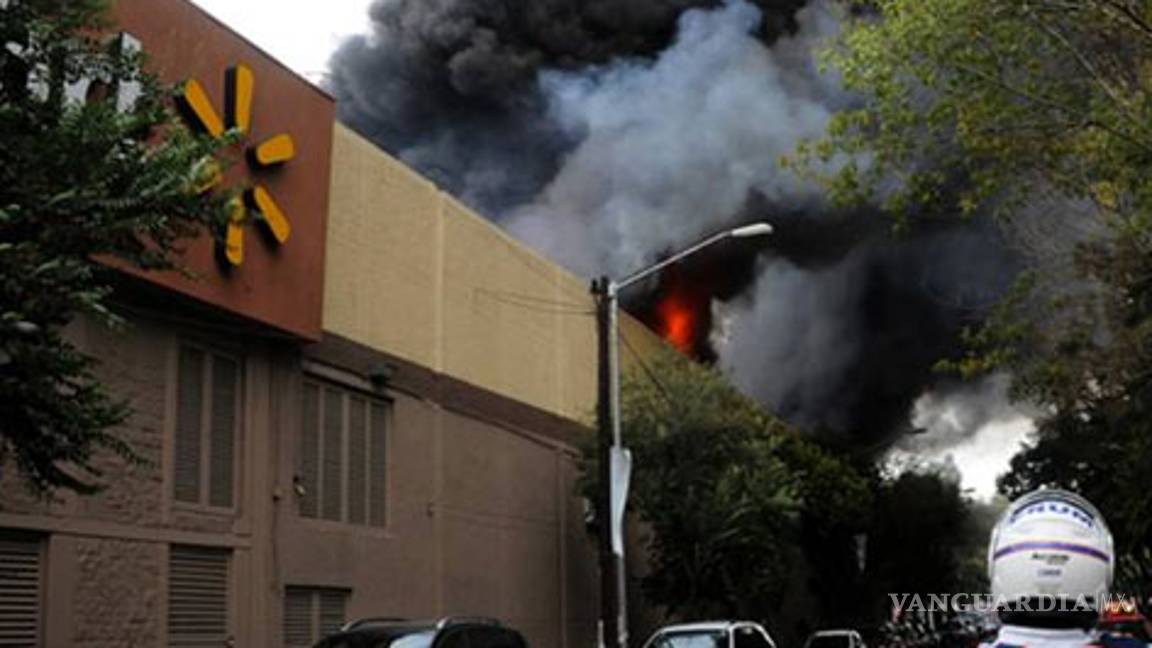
(829, 641)
(692, 639)
(421, 639)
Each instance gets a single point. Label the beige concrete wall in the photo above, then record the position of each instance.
(382, 274)
(412, 272)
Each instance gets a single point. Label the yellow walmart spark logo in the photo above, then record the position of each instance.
(257, 203)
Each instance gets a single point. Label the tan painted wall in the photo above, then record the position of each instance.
(412, 272)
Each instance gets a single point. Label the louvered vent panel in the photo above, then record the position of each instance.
(331, 610)
(197, 596)
(298, 617)
(19, 592)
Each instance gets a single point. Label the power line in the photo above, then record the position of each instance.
(660, 387)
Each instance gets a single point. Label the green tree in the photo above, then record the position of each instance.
(84, 184)
(967, 103)
(1039, 112)
(917, 535)
(724, 488)
(1098, 379)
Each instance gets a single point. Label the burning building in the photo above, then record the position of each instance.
(377, 414)
(609, 134)
(366, 403)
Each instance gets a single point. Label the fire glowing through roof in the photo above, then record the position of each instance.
(677, 323)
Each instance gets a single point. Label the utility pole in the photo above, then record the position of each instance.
(610, 442)
(609, 598)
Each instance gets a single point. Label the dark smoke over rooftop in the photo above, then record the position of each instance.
(841, 331)
(608, 132)
(451, 86)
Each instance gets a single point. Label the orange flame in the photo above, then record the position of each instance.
(678, 324)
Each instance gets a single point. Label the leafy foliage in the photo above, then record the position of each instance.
(1013, 106)
(919, 535)
(969, 102)
(84, 186)
(724, 488)
(1097, 377)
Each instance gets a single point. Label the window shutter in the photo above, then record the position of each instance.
(197, 596)
(222, 442)
(377, 466)
(333, 475)
(310, 452)
(298, 617)
(190, 400)
(331, 610)
(357, 460)
(311, 613)
(342, 455)
(19, 592)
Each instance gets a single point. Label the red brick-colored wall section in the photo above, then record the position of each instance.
(279, 285)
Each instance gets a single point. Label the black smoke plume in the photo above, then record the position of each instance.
(847, 319)
(451, 86)
(608, 132)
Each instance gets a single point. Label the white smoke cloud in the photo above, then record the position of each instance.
(977, 428)
(671, 148)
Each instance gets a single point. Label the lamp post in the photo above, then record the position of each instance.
(613, 459)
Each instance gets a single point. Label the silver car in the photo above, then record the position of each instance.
(712, 634)
(835, 639)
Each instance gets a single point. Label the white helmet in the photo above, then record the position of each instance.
(1051, 544)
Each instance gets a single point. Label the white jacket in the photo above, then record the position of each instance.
(1011, 636)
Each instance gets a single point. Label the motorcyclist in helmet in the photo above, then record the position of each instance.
(1050, 562)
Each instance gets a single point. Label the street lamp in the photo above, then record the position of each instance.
(614, 460)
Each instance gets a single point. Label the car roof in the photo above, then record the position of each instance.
(395, 625)
(705, 625)
(412, 625)
(391, 628)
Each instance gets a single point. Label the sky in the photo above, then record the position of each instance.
(980, 459)
(302, 34)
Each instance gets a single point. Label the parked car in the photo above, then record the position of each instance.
(835, 639)
(712, 634)
(452, 632)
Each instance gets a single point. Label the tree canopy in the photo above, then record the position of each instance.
(747, 517)
(1039, 113)
(724, 491)
(84, 181)
(968, 104)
